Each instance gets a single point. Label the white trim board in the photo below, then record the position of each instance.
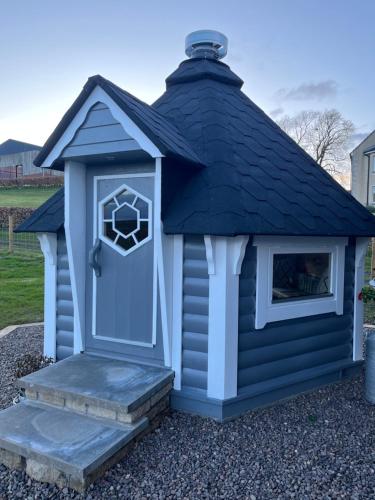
(48, 245)
(224, 258)
(176, 298)
(99, 95)
(159, 252)
(75, 231)
(267, 246)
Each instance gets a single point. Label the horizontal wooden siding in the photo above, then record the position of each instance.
(100, 133)
(195, 314)
(64, 302)
(284, 348)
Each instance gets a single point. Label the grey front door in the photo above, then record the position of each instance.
(121, 298)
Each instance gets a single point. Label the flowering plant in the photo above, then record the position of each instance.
(367, 294)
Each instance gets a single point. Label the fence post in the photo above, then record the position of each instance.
(10, 235)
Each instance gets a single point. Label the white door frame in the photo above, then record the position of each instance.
(96, 180)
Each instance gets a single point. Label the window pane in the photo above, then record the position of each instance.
(109, 232)
(142, 207)
(300, 275)
(126, 220)
(125, 197)
(108, 209)
(143, 231)
(126, 243)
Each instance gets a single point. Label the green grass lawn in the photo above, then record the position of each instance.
(21, 288)
(25, 197)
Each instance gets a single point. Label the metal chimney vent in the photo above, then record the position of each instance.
(206, 43)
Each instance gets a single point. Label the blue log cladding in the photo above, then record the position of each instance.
(284, 349)
(195, 314)
(64, 302)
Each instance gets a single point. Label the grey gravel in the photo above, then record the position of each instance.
(318, 445)
(24, 340)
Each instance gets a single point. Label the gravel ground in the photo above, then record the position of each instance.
(319, 445)
(22, 341)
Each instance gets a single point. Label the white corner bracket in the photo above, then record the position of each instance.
(360, 253)
(48, 244)
(224, 259)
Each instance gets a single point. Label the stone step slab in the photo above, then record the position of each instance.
(60, 446)
(102, 387)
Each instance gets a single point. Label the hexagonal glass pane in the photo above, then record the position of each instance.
(108, 208)
(142, 233)
(126, 220)
(109, 232)
(126, 243)
(125, 197)
(142, 206)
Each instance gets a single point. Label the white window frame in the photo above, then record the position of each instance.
(102, 220)
(372, 159)
(267, 247)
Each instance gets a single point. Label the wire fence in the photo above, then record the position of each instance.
(17, 172)
(28, 242)
(20, 242)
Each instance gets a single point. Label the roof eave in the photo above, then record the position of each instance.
(90, 85)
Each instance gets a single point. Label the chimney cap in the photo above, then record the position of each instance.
(209, 44)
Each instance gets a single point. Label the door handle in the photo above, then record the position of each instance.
(93, 258)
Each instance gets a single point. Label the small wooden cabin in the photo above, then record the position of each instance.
(193, 233)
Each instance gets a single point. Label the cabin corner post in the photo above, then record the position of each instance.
(48, 245)
(224, 258)
(358, 317)
(75, 234)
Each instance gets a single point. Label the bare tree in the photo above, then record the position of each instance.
(325, 135)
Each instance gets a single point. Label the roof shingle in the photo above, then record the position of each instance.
(255, 180)
(48, 218)
(160, 131)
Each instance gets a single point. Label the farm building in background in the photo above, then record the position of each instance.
(17, 160)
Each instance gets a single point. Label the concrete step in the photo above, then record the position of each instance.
(63, 447)
(102, 387)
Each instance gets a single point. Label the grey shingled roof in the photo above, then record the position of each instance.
(10, 147)
(255, 179)
(164, 135)
(48, 218)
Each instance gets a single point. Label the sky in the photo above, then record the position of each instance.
(292, 54)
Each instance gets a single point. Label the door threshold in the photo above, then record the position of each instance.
(124, 357)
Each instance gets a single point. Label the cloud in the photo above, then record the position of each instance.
(357, 138)
(309, 91)
(276, 112)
